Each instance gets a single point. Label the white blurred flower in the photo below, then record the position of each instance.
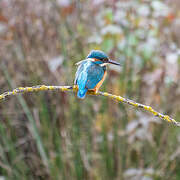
(127, 4)
(2, 178)
(160, 9)
(119, 15)
(143, 10)
(153, 42)
(54, 63)
(111, 29)
(95, 39)
(133, 172)
(139, 174)
(97, 2)
(63, 3)
(110, 136)
(172, 58)
(3, 28)
(172, 70)
(173, 46)
(178, 52)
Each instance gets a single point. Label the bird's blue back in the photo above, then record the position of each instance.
(88, 76)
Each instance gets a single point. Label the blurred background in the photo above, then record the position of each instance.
(53, 135)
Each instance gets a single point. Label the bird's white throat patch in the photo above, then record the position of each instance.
(104, 64)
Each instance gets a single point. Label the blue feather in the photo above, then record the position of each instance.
(81, 82)
(88, 76)
(81, 79)
(82, 93)
(97, 54)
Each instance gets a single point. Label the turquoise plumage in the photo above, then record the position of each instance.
(91, 72)
(87, 76)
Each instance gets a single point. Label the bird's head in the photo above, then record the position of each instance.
(99, 57)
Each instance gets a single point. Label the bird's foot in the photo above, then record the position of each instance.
(92, 92)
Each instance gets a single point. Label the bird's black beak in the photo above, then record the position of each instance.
(113, 62)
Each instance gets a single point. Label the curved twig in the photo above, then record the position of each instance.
(74, 88)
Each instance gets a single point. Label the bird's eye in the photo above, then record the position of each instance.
(105, 60)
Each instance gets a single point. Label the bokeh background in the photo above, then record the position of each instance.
(53, 135)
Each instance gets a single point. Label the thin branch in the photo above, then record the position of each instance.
(38, 88)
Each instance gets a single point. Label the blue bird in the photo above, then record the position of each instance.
(91, 72)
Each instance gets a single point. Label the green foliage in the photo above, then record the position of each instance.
(57, 136)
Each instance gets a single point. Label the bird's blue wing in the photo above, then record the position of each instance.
(79, 70)
(94, 76)
(81, 78)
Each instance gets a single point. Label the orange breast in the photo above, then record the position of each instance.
(98, 85)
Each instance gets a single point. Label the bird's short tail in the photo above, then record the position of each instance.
(81, 93)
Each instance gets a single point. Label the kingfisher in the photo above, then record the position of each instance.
(91, 72)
